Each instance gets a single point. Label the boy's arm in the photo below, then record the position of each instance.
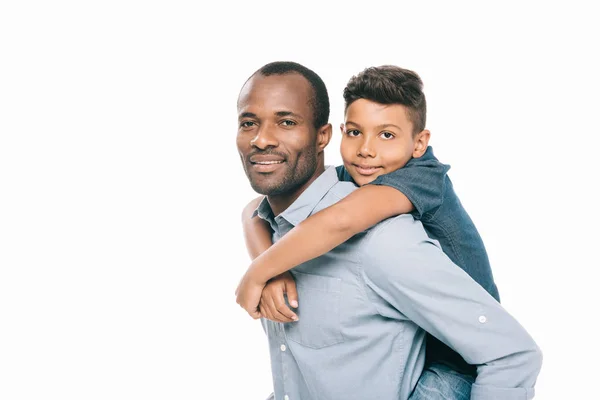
(257, 232)
(423, 180)
(312, 238)
(329, 228)
(257, 235)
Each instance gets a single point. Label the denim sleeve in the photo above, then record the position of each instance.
(422, 180)
(343, 174)
(414, 279)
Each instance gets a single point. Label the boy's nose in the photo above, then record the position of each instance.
(366, 149)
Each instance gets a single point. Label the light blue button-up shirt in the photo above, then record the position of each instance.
(364, 308)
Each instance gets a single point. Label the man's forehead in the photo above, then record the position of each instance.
(290, 92)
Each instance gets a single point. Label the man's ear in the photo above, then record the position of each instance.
(323, 137)
(421, 143)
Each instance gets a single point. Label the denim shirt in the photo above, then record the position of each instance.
(365, 306)
(425, 182)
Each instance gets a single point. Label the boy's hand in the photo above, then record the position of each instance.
(248, 295)
(272, 303)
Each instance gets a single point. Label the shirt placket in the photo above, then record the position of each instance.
(286, 361)
(285, 357)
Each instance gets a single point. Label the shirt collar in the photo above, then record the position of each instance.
(304, 205)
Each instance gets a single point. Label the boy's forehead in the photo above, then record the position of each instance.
(365, 108)
(368, 114)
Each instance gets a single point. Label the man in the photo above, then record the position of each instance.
(366, 305)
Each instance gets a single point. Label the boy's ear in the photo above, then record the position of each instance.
(323, 137)
(421, 143)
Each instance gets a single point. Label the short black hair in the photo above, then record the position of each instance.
(389, 84)
(320, 100)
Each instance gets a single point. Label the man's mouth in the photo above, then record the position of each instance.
(265, 165)
(266, 162)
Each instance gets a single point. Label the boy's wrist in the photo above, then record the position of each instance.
(256, 275)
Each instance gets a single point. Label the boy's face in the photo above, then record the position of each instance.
(378, 139)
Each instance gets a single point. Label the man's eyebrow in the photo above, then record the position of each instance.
(247, 115)
(287, 114)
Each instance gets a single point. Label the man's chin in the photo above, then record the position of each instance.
(266, 185)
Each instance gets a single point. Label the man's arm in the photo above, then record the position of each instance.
(417, 279)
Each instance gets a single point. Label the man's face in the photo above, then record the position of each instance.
(376, 139)
(276, 137)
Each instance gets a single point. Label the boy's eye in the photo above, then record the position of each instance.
(387, 135)
(288, 122)
(352, 132)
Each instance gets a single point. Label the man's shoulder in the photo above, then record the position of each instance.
(335, 194)
(393, 245)
(397, 232)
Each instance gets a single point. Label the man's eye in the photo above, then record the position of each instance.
(352, 132)
(288, 122)
(387, 135)
(246, 124)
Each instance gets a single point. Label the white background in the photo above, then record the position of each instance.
(121, 188)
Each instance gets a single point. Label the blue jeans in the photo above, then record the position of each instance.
(440, 382)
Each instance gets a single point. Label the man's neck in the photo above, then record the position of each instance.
(281, 202)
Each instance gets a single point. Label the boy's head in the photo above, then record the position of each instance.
(385, 122)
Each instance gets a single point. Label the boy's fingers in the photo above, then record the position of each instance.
(264, 310)
(276, 315)
(284, 309)
(269, 310)
(254, 314)
(292, 293)
(279, 317)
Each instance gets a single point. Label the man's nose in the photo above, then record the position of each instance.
(366, 148)
(265, 137)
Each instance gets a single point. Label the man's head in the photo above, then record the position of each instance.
(283, 113)
(384, 122)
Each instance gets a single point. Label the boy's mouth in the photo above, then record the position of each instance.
(366, 170)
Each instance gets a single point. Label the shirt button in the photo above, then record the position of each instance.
(286, 397)
(282, 347)
(482, 319)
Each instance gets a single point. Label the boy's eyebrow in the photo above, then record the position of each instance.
(352, 123)
(382, 126)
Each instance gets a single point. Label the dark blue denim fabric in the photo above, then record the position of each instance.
(440, 382)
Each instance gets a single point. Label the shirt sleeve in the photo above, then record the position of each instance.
(411, 274)
(422, 180)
